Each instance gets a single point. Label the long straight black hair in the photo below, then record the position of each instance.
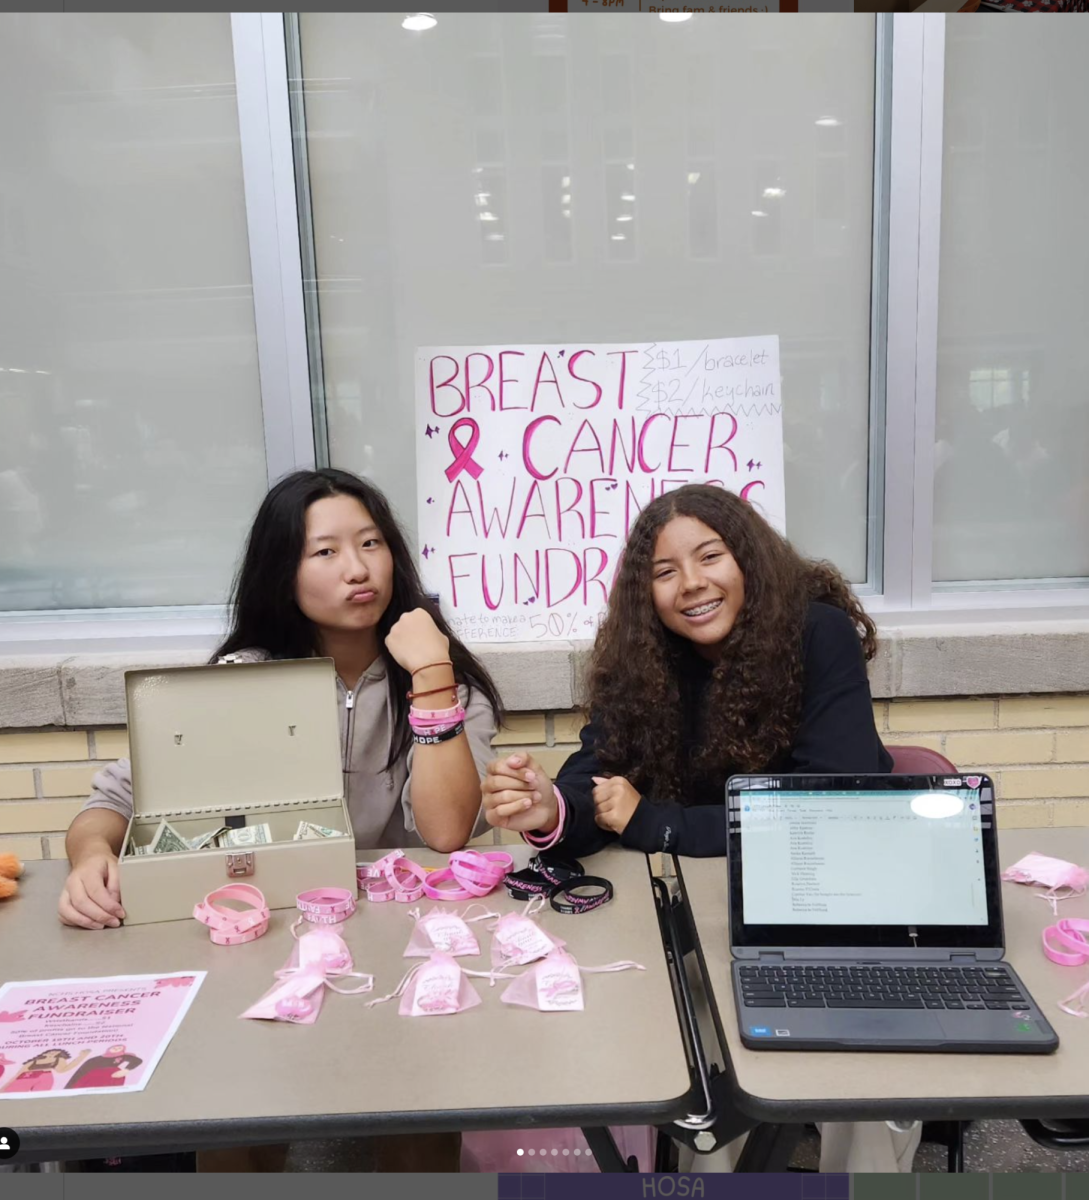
(266, 616)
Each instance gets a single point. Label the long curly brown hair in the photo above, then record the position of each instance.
(753, 701)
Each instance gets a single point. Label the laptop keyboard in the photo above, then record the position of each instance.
(797, 986)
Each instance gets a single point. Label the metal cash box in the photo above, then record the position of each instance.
(241, 744)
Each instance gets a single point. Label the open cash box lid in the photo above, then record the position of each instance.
(232, 736)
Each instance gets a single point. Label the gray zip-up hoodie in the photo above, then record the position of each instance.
(379, 802)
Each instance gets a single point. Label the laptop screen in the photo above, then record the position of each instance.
(875, 860)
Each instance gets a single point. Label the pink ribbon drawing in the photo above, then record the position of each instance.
(438, 1004)
(463, 455)
(562, 987)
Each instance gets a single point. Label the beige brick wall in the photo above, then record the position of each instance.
(44, 779)
(1035, 747)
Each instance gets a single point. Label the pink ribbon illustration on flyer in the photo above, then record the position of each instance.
(72, 1037)
(533, 463)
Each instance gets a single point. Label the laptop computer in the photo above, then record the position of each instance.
(866, 914)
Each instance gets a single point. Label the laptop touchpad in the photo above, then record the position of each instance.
(895, 1023)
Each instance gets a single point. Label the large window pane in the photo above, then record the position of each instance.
(530, 178)
(132, 454)
(1011, 499)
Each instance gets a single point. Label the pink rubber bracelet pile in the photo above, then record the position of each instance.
(393, 877)
(232, 926)
(326, 906)
(1069, 933)
(468, 875)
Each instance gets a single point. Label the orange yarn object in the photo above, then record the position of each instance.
(10, 866)
(10, 870)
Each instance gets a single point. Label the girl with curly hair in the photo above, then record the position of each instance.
(723, 651)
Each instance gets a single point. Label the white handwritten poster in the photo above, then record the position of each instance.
(533, 462)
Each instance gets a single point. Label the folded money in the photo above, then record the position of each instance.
(308, 832)
(324, 830)
(205, 840)
(247, 835)
(167, 839)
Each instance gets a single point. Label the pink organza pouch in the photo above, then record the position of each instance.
(554, 984)
(1062, 879)
(446, 932)
(518, 939)
(318, 957)
(435, 988)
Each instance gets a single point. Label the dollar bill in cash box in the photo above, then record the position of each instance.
(236, 775)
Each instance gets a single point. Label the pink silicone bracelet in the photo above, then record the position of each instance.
(450, 717)
(378, 880)
(500, 858)
(326, 906)
(1070, 933)
(228, 926)
(376, 870)
(437, 893)
(325, 901)
(548, 840)
(378, 891)
(473, 877)
(418, 721)
(404, 867)
(481, 867)
(478, 872)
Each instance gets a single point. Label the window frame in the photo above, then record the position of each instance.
(909, 82)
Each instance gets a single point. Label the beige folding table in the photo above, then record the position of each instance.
(782, 1088)
(359, 1070)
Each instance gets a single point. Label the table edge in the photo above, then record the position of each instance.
(93, 1141)
(927, 1108)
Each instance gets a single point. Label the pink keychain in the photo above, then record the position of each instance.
(447, 932)
(1055, 874)
(517, 939)
(554, 984)
(317, 958)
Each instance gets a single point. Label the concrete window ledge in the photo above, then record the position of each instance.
(87, 689)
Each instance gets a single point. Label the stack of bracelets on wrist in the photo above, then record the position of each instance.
(431, 727)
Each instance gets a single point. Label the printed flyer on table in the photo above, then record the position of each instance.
(78, 1037)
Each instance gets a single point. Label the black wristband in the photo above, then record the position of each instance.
(524, 885)
(564, 898)
(543, 875)
(554, 869)
(434, 739)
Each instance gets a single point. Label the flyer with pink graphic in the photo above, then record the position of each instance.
(79, 1037)
(534, 461)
